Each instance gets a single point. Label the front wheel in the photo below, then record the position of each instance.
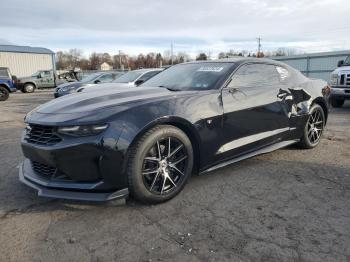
(28, 88)
(4, 93)
(314, 128)
(159, 164)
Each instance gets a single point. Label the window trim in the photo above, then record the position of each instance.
(107, 74)
(229, 79)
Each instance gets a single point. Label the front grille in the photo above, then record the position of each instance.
(41, 135)
(49, 172)
(43, 170)
(344, 79)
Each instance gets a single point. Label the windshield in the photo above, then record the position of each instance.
(192, 76)
(4, 73)
(128, 77)
(90, 78)
(36, 74)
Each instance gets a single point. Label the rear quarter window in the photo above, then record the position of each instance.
(284, 74)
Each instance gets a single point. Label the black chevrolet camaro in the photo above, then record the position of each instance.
(147, 141)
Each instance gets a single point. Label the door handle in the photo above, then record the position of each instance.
(233, 90)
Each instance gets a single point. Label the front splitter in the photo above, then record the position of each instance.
(69, 194)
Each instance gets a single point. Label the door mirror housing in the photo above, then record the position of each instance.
(38, 76)
(233, 89)
(139, 82)
(340, 63)
(97, 81)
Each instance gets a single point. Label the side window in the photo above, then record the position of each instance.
(283, 73)
(148, 75)
(255, 76)
(106, 78)
(45, 74)
(4, 73)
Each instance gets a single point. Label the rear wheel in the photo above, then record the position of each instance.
(28, 88)
(314, 128)
(4, 93)
(337, 102)
(160, 164)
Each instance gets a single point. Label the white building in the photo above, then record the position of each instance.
(105, 67)
(25, 60)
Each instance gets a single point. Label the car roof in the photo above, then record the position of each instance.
(144, 70)
(239, 59)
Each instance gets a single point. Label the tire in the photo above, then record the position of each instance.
(4, 93)
(337, 103)
(28, 88)
(314, 127)
(159, 177)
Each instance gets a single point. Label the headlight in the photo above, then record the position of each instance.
(334, 79)
(66, 88)
(82, 130)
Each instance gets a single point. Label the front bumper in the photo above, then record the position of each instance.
(61, 93)
(84, 168)
(65, 190)
(340, 93)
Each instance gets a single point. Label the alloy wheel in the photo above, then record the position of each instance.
(315, 126)
(29, 88)
(164, 166)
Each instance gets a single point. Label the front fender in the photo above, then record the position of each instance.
(132, 132)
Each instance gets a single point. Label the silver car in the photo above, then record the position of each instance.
(130, 79)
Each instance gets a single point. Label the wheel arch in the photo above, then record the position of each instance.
(32, 83)
(5, 86)
(184, 125)
(322, 103)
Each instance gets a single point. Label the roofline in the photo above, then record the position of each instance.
(319, 54)
(240, 59)
(31, 48)
(148, 69)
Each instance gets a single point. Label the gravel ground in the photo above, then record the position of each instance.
(289, 205)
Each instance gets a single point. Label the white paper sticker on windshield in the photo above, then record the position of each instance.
(210, 69)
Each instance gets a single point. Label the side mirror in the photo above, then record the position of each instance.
(38, 76)
(340, 63)
(97, 81)
(233, 89)
(139, 82)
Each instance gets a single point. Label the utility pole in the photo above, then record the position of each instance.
(259, 46)
(172, 50)
(120, 59)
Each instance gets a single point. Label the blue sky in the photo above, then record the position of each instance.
(136, 26)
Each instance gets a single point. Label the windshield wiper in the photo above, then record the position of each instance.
(171, 89)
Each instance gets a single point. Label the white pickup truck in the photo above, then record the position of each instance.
(340, 83)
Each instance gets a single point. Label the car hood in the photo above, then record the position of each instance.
(105, 86)
(86, 102)
(92, 106)
(26, 78)
(70, 84)
(340, 69)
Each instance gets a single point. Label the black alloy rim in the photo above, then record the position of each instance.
(2, 93)
(164, 166)
(315, 126)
